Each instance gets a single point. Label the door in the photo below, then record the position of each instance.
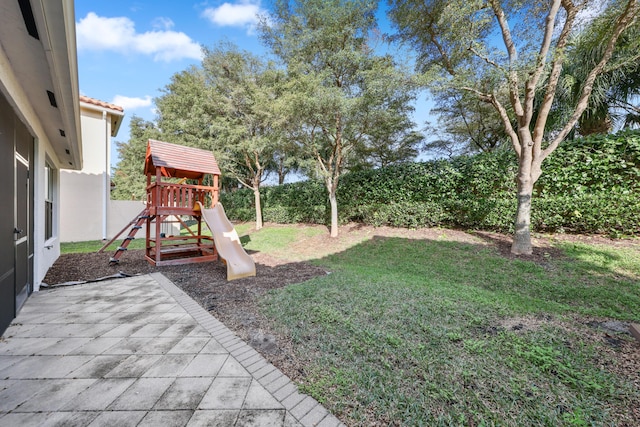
(23, 214)
(7, 194)
(22, 232)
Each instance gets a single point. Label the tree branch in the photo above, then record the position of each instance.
(484, 58)
(513, 57)
(554, 77)
(491, 99)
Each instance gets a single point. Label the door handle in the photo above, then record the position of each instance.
(17, 231)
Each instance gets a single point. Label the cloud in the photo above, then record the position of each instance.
(243, 14)
(163, 23)
(131, 103)
(118, 34)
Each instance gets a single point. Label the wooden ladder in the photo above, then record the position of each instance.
(135, 224)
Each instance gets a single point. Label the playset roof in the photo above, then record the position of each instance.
(178, 161)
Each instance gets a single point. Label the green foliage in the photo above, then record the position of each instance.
(128, 176)
(599, 163)
(300, 202)
(345, 103)
(614, 98)
(591, 185)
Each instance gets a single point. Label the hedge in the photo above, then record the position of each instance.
(589, 185)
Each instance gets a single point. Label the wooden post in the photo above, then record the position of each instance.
(216, 190)
(158, 203)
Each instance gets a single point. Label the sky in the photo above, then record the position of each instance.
(128, 50)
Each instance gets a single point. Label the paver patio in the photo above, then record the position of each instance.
(138, 352)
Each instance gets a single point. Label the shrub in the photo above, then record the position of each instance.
(589, 185)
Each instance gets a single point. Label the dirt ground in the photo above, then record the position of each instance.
(234, 303)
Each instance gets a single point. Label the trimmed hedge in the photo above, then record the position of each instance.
(589, 185)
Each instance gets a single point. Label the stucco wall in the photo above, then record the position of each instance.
(96, 131)
(81, 206)
(121, 212)
(84, 195)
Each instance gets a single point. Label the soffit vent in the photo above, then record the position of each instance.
(29, 20)
(52, 99)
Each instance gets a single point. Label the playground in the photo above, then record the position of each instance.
(182, 182)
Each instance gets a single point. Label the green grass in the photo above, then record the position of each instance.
(95, 245)
(410, 332)
(276, 240)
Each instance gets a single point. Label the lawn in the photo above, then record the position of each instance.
(438, 331)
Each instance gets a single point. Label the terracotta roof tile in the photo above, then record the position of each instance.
(100, 103)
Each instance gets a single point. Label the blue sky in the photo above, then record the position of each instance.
(128, 50)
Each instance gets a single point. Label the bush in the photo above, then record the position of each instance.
(589, 185)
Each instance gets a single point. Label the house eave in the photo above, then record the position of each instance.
(116, 116)
(38, 66)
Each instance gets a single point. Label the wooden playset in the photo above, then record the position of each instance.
(172, 204)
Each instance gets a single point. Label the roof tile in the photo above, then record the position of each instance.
(99, 103)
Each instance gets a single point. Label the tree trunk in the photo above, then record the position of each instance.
(522, 237)
(280, 171)
(529, 170)
(334, 213)
(256, 197)
(333, 202)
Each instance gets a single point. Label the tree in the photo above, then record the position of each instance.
(228, 105)
(454, 40)
(338, 89)
(185, 110)
(249, 128)
(128, 176)
(388, 145)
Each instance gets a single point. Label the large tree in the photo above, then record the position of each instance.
(339, 89)
(228, 105)
(250, 127)
(456, 40)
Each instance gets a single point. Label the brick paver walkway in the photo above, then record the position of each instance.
(138, 352)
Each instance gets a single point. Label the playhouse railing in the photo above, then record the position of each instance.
(170, 195)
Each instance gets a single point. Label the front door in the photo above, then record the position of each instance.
(23, 228)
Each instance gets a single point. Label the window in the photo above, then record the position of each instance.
(48, 201)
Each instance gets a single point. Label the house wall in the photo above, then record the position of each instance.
(81, 206)
(39, 125)
(84, 195)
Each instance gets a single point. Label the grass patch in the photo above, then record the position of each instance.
(277, 239)
(95, 245)
(408, 332)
